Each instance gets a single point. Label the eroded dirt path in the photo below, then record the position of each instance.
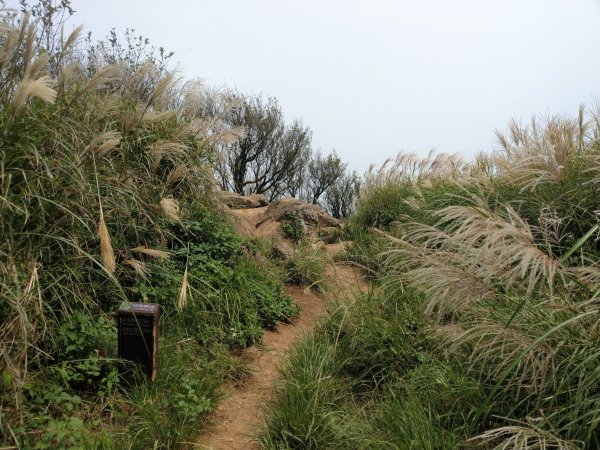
(239, 415)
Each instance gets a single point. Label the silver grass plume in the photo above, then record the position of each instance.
(42, 88)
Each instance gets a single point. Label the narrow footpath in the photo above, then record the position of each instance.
(240, 414)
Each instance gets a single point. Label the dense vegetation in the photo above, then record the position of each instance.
(105, 197)
(481, 330)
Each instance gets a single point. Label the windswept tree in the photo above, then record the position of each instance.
(268, 153)
(341, 197)
(323, 172)
(295, 180)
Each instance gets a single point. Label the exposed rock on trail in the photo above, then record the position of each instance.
(313, 216)
(254, 217)
(237, 201)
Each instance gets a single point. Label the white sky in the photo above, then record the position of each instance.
(374, 77)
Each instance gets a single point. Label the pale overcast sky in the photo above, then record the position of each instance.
(375, 77)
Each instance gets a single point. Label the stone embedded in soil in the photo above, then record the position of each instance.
(237, 201)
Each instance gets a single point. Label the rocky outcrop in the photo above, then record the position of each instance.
(313, 216)
(246, 220)
(283, 246)
(283, 221)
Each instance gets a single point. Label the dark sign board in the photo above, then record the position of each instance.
(138, 335)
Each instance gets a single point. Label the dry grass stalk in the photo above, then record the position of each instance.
(505, 243)
(104, 143)
(157, 116)
(106, 249)
(493, 348)
(169, 208)
(107, 146)
(183, 293)
(29, 47)
(194, 98)
(444, 276)
(161, 88)
(106, 75)
(472, 254)
(9, 53)
(176, 175)
(541, 151)
(152, 252)
(130, 119)
(8, 48)
(38, 66)
(33, 279)
(5, 29)
(70, 41)
(68, 74)
(232, 135)
(139, 266)
(23, 326)
(107, 106)
(524, 437)
(414, 168)
(164, 149)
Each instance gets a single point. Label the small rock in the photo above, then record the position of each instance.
(283, 249)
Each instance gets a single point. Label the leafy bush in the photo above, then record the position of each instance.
(293, 227)
(185, 391)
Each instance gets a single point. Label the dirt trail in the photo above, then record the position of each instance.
(240, 414)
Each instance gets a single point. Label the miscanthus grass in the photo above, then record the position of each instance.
(484, 327)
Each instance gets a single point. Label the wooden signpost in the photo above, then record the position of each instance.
(138, 335)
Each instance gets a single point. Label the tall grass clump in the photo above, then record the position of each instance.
(308, 411)
(484, 328)
(307, 266)
(508, 276)
(105, 196)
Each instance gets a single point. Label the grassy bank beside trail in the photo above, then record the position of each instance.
(482, 327)
(105, 196)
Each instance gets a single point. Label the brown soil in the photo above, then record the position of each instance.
(239, 415)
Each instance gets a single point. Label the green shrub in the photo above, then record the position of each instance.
(307, 266)
(384, 205)
(169, 411)
(293, 227)
(367, 246)
(84, 351)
